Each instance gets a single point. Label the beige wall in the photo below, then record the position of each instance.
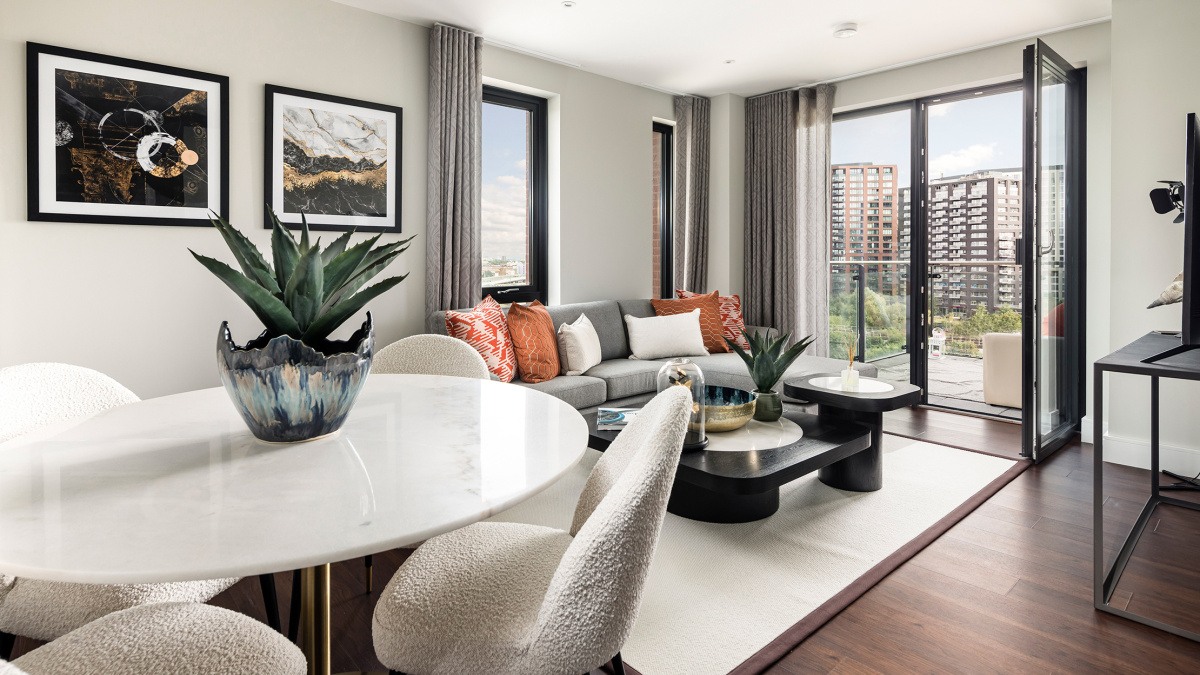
(727, 194)
(1154, 49)
(129, 301)
(600, 224)
(1088, 46)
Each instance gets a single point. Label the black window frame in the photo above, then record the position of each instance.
(666, 249)
(539, 196)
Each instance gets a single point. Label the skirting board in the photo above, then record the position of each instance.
(1087, 428)
(1135, 452)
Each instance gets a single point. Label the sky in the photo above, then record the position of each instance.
(964, 136)
(505, 181)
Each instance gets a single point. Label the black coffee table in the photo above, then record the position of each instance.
(864, 471)
(723, 486)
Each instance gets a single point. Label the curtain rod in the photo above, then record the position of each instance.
(944, 55)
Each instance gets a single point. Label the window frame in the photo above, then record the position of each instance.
(537, 266)
(666, 211)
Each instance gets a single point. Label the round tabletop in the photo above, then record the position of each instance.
(177, 489)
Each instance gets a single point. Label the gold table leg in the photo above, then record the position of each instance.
(314, 618)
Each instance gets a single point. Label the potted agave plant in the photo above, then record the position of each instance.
(767, 362)
(292, 383)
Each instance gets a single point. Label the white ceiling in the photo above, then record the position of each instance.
(682, 45)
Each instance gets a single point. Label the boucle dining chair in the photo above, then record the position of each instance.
(37, 395)
(514, 598)
(430, 355)
(423, 355)
(177, 638)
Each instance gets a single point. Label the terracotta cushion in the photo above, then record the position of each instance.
(534, 341)
(486, 329)
(732, 323)
(710, 317)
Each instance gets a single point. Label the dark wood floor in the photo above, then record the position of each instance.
(1008, 589)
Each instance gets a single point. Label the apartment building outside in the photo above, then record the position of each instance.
(975, 218)
(865, 226)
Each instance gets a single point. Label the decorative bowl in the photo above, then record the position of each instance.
(727, 408)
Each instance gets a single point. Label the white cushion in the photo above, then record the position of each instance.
(578, 346)
(660, 337)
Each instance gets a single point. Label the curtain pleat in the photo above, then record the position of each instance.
(770, 283)
(813, 196)
(453, 262)
(690, 235)
(787, 213)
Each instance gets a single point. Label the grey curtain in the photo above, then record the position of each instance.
(771, 279)
(813, 196)
(787, 213)
(453, 262)
(690, 235)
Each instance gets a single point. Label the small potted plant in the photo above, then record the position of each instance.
(767, 362)
(292, 383)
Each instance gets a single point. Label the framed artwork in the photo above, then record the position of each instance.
(113, 140)
(336, 160)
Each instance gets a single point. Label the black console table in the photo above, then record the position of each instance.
(1129, 359)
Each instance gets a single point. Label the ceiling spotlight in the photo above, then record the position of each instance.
(845, 30)
(728, 61)
(568, 3)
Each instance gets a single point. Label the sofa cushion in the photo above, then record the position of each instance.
(638, 308)
(710, 318)
(627, 377)
(605, 316)
(580, 391)
(534, 341)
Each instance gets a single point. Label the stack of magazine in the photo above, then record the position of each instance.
(615, 418)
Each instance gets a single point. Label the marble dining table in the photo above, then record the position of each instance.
(177, 489)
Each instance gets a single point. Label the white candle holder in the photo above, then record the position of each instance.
(849, 380)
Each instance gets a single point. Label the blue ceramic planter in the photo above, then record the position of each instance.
(289, 392)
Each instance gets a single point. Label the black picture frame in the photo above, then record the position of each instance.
(273, 188)
(43, 201)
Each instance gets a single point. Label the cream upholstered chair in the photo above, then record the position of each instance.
(36, 395)
(174, 637)
(430, 355)
(423, 355)
(514, 598)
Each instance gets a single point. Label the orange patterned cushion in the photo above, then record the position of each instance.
(710, 317)
(535, 342)
(485, 329)
(731, 316)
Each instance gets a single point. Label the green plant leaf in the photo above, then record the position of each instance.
(366, 273)
(343, 267)
(335, 249)
(249, 258)
(284, 251)
(268, 308)
(305, 289)
(792, 354)
(337, 315)
(737, 349)
(304, 245)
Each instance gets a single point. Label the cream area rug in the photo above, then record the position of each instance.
(723, 597)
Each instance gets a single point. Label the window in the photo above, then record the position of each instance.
(662, 279)
(513, 237)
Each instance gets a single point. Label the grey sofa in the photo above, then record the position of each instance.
(619, 381)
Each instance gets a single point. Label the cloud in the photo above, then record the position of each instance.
(504, 217)
(961, 161)
(940, 109)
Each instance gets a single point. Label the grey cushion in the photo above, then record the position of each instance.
(580, 391)
(627, 377)
(636, 308)
(728, 370)
(605, 316)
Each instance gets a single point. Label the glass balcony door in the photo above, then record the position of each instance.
(1052, 248)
